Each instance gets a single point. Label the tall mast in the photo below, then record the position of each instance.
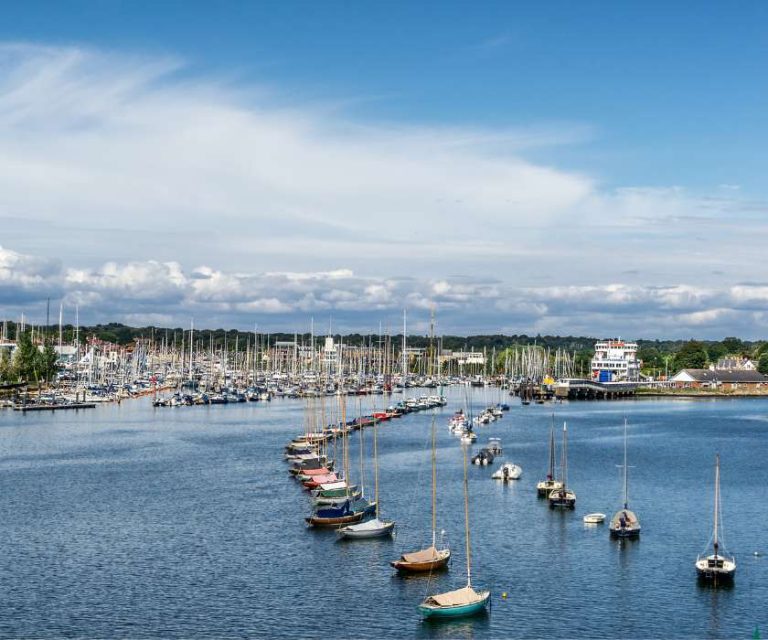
(626, 473)
(551, 474)
(191, 336)
(717, 498)
(375, 466)
(565, 456)
(466, 519)
(362, 468)
(434, 485)
(405, 357)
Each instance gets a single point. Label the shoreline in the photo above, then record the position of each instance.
(698, 394)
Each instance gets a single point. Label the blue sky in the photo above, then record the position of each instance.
(567, 167)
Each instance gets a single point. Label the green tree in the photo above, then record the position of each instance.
(26, 359)
(692, 355)
(733, 345)
(48, 360)
(651, 357)
(6, 366)
(762, 363)
(716, 350)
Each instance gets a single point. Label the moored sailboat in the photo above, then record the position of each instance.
(545, 487)
(374, 528)
(431, 558)
(718, 567)
(460, 602)
(625, 523)
(563, 497)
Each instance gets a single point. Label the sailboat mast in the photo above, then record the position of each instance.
(362, 468)
(466, 520)
(434, 486)
(626, 473)
(565, 456)
(345, 442)
(717, 498)
(375, 466)
(551, 475)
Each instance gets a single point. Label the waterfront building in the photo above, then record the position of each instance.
(615, 361)
(722, 380)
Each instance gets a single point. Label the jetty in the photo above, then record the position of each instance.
(55, 407)
(585, 389)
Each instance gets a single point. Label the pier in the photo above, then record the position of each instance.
(55, 407)
(584, 389)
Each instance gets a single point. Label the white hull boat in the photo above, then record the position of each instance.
(507, 471)
(369, 529)
(594, 518)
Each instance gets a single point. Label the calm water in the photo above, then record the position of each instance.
(129, 521)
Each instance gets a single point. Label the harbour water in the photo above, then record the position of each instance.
(129, 521)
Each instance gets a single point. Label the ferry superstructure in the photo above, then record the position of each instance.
(615, 361)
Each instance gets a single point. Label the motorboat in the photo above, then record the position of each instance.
(507, 471)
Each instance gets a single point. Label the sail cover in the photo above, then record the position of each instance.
(467, 595)
(425, 555)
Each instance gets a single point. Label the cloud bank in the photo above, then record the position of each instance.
(164, 293)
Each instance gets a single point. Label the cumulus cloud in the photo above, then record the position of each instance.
(135, 188)
(168, 294)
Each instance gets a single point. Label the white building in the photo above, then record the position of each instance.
(615, 361)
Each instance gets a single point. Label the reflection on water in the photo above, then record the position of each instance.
(476, 626)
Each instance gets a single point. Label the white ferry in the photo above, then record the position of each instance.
(615, 361)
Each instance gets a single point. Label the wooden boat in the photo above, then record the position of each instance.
(545, 487)
(465, 601)
(307, 474)
(718, 567)
(375, 528)
(563, 498)
(431, 558)
(315, 481)
(347, 513)
(625, 523)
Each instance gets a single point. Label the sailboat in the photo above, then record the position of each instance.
(465, 601)
(374, 528)
(545, 487)
(354, 508)
(717, 567)
(625, 523)
(431, 558)
(563, 498)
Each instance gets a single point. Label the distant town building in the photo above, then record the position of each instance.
(730, 363)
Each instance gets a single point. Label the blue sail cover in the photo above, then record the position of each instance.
(334, 512)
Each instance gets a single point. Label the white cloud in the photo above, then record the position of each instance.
(167, 293)
(129, 170)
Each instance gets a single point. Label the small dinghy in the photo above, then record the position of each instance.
(369, 529)
(594, 518)
(468, 437)
(507, 472)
